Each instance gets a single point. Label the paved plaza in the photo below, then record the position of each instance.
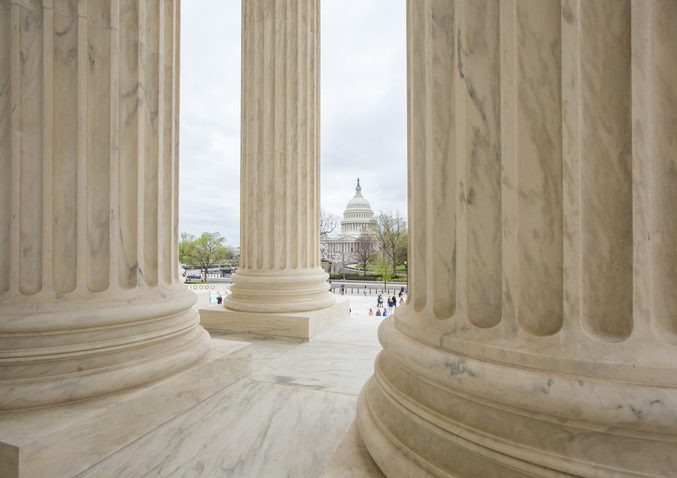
(285, 419)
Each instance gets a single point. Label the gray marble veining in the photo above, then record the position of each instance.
(355, 330)
(252, 429)
(340, 368)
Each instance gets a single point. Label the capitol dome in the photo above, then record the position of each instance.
(358, 216)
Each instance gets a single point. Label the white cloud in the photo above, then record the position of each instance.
(363, 87)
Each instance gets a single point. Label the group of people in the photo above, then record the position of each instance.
(382, 311)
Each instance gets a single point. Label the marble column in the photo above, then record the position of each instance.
(540, 335)
(280, 176)
(90, 299)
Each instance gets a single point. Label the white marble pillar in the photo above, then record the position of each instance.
(540, 336)
(280, 179)
(90, 299)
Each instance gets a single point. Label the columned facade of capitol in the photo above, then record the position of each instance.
(540, 333)
(358, 225)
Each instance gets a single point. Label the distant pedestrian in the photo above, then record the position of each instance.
(343, 289)
(371, 312)
(378, 312)
(219, 299)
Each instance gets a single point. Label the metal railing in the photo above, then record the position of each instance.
(193, 275)
(365, 290)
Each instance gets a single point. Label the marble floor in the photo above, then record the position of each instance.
(284, 420)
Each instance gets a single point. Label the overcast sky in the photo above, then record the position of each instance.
(363, 106)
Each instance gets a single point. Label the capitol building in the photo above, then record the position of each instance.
(358, 220)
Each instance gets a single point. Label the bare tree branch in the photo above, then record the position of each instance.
(364, 249)
(391, 238)
(328, 222)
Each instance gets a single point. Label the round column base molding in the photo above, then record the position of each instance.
(284, 292)
(77, 350)
(430, 412)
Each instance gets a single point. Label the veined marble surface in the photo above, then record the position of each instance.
(90, 299)
(339, 360)
(340, 368)
(263, 348)
(357, 330)
(286, 419)
(543, 243)
(252, 429)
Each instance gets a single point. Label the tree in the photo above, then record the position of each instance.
(402, 250)
(364, 249)
(328, 223)
(391, 240)
(207, 250)
(185, 245)
(383, 268)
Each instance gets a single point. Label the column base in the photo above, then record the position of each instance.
(434, 412)
(279, 292)
(304, 325)
(63, 350)
(351, 459)
(68, 439)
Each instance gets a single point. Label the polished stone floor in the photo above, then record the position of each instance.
(286, 419)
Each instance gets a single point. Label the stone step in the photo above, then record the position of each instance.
(303, 325)
(68, 439)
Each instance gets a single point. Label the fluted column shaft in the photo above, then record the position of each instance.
(90, 300)
(539, 337)
(280, 175)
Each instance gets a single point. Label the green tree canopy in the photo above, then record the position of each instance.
(203, 252)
